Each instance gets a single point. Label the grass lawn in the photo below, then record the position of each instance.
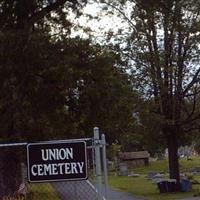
(142, 188)
(161, 166)
(41, 191)
(139, 186)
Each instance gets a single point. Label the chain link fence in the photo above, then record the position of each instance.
(15, 186)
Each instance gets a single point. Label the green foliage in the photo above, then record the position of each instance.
(32, 97)
(53, 88)
(42, 191)
(28, 15)
(104, 91)
(112, 151)
(28, 85)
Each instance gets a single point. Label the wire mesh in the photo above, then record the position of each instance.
(15, 186)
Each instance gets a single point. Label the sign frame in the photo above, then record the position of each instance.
(56, 143)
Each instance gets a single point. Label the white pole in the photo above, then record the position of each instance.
(98, 162)
(105, 164)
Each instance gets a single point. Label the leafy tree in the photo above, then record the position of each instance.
(26, 30)
(28, 15)
(28, 73)
(65, 95)
(53, 86)
(162, 43)
(102, 94)
(31, 101)
(57, 88)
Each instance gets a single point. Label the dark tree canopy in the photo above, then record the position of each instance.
(25, 14)
(57, 86)
(53, 86)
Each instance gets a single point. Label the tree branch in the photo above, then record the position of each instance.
(187, 130)
(193, 81)
(193, 108)
(121, 13)
(40, 14)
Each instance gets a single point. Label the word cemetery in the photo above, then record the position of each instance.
(56, 161)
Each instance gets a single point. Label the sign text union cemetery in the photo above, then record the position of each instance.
(57, 161)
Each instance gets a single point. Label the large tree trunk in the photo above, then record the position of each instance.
(174, 173)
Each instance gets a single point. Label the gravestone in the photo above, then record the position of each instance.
(123, 170)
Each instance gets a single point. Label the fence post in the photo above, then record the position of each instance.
(98, 162)
(105, 164)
